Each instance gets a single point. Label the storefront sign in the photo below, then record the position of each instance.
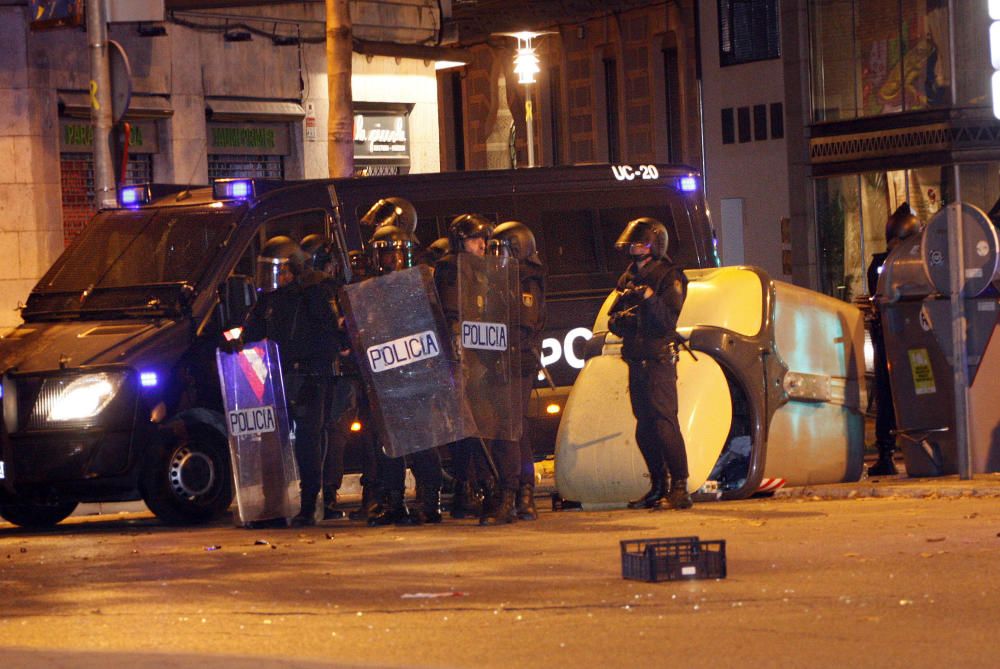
(381, 136)
(248, 139)
(78, 137)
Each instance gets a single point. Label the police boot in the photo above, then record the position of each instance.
(428, 505)
(884, 466)
(677, 498)
(330, 510)
(503, 511)
(526, 502)
(306, 514)
(657, 490)
(463, 500)
(393, 511)
(369, 503)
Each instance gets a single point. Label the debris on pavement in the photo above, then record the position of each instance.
(433, 595)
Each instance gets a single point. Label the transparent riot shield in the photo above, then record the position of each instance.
(411, 375)
(264, 470)
(488, 331)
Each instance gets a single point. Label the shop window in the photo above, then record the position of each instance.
(728, 126)
(837, 227)
(222, 166)
(748, 31)
(77, 180)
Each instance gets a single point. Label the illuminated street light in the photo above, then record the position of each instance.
(526, 67)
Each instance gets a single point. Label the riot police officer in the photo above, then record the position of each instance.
(514, 239)
(472, 470)
(294, 311)
(395, 211)
(900, 225)
(651, 292)
(393, 249)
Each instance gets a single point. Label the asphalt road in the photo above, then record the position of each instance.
(907, 579)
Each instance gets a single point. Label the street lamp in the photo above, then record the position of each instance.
(526, 67)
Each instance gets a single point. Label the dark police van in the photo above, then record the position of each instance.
(110, 389)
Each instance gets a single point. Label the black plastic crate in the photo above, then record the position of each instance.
(674, 559)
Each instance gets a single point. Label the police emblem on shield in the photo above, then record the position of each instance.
(264, 471)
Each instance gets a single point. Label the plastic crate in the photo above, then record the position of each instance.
(674, 559)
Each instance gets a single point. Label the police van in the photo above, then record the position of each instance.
(110, 389)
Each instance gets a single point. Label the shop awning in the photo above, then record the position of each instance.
(77, 105)
(253, 110)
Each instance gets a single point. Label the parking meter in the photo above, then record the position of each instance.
(913, 299)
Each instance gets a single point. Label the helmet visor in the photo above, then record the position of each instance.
(499, 247)
(272, 273)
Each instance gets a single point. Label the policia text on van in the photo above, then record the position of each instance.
(110, 390)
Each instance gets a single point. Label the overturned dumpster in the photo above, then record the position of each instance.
(771, 393)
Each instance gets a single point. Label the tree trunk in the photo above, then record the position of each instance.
(340, 128)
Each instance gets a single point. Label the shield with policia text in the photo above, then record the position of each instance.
(411, 374)
(488, 328)
(264, 470)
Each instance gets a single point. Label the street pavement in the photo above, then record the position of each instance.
(881, 573)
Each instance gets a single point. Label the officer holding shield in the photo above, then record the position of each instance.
(650, 295)
(294, 311)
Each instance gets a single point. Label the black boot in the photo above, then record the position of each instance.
(657, 489)
(503, 511)
(428, 508)
(330, 510)
(884, 466)
(306, 514)
(526, 502)
(464, 501)
(393, 511)
(677, 498)
(369, 503)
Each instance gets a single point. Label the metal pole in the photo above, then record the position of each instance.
(529, 121)
(959, 358)
(100, 105)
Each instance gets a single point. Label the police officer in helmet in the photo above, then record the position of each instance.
(515, 240)
(395, 211)
(467, 233)
(651, 292)
(900, 225)
(294, 311)
(393, 249)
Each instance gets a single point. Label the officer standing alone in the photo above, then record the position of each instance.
(651, 294)
(900, 225)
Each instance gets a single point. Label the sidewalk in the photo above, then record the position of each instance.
(981, 485)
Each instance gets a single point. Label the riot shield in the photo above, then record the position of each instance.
(264, 470)
(412, 376)
(488, 331)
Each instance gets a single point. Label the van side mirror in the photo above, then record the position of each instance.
(236, 298)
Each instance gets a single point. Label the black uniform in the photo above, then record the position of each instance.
(648, 330)
(532, 322)
(298, 317)
(885, 417)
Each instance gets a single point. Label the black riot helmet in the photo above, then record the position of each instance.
(279, 262)
(901, 224)
(648, 232)
(395, 211)
(392, 249)
(438, 249)
(318, 249)
(514, 239)
(468, 226)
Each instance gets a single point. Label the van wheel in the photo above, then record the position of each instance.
(36, 516)
(187, 480)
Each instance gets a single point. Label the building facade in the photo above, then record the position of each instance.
(208, 100)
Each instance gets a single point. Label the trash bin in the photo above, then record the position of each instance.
(913, 299)
(772, 393)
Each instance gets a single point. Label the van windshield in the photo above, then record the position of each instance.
(128, 259)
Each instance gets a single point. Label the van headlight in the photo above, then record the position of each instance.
(84, 397)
